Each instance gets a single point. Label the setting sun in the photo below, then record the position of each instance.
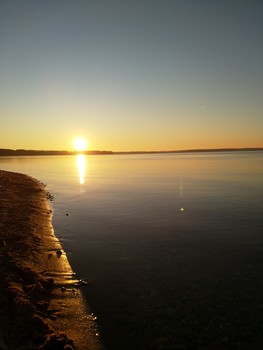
(80, 144)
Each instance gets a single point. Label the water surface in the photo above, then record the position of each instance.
(171, 243)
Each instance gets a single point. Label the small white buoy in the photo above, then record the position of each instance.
(182, 209)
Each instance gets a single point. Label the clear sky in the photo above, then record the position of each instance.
(131, 75)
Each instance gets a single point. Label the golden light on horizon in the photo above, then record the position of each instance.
(80, 144)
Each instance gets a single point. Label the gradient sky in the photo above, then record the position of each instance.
(131, 75)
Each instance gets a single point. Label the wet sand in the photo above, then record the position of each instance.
(40, 300)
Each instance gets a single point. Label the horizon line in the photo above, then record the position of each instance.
(22, 151)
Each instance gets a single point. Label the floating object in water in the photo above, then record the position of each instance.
(181, 209)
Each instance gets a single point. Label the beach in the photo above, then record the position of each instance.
(40, 298)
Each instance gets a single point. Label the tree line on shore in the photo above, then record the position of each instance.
(25, 152)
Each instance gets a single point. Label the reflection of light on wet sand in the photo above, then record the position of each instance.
(81, 164)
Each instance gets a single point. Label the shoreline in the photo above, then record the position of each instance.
(41, 301)
(4, 152)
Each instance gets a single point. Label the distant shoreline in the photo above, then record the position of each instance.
(23, 152)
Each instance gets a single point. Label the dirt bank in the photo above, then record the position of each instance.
(40, 301)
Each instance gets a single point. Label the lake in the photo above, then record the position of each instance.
(172, 244)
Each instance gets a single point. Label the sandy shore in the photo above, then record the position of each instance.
(40, 301)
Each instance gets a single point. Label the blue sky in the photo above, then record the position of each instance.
(131, 75)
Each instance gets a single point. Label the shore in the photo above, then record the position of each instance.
(23, 152)
(41, 302)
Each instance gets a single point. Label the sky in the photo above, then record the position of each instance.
(131, 75)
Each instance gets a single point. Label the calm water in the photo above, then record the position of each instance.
(172, 244)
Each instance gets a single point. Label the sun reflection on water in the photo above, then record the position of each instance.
(81, 164)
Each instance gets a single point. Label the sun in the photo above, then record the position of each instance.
(80, 144)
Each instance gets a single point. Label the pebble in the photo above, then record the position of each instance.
(59, 252)
(81, 283)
